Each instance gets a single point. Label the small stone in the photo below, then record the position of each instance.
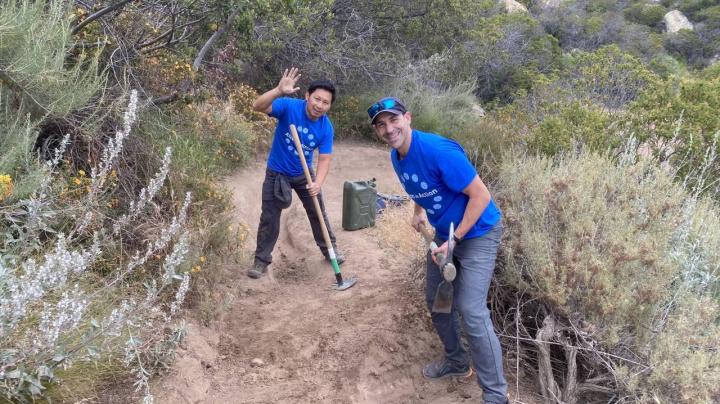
(257, 362)
(465, 394)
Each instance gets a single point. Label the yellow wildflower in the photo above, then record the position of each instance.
(81, 173)
(6, 186)
(77, 181)
(202, 258)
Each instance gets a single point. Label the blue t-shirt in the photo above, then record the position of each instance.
(434, 173)
(283, 156)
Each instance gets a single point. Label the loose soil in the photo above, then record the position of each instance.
(288, 338)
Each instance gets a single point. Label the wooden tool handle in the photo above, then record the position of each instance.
(430, 239)
(299, 148)
(308, 177)
(425, 232)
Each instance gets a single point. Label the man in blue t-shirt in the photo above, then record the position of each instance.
(284, 171)
(445, 188)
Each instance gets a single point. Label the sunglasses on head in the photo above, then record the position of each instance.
(387, 103)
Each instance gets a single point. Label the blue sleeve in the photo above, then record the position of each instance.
(456, 170)
(279, 106)
(326, 145)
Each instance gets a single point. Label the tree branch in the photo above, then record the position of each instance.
(166, 33)
(94, 16)
(213, 38)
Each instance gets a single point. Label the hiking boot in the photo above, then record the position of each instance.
(257, 271)
(338, 257)
(445, 369)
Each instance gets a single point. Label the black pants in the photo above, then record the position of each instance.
(269, 228)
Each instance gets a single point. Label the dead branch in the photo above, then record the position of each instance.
(213, 38)
(94, 16)
(548, 386)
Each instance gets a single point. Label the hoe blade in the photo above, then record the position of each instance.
(443, 298)
(345, 284)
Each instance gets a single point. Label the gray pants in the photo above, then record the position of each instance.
(269, 228)
(475, 262)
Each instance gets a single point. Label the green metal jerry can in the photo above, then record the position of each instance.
(359, 198)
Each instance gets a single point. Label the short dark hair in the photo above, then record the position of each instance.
(325, 85)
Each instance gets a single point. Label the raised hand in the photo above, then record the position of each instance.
(288, 81)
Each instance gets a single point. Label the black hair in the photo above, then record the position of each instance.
(325, 85)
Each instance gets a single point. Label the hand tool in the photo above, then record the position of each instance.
(340, 283)
(444, 294)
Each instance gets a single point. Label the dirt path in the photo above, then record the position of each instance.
(311, 344)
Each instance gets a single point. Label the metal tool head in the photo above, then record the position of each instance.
(443, 298)
(344, 284)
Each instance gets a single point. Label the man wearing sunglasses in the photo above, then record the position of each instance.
(446, 189)
(284, 171)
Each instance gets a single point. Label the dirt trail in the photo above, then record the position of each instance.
(363, 345)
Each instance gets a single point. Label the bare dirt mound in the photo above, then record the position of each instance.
(289, 338)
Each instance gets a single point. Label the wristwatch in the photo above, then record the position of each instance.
(457, 239)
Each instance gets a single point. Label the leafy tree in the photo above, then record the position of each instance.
(333, 39)
(508, 53)
(442, 25)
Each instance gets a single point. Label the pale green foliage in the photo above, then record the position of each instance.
(630, 252)
(34, 43)
(446, 110)
(590, 234)
(684, 356)
(36, 80)
(16, 144)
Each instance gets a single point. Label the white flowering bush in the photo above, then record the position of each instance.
(70, 292)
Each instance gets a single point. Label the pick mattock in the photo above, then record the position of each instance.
(341, 284)
(444, 294)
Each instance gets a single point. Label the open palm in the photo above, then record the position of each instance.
(288, 82)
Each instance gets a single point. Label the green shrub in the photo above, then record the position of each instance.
(692, 7)
(574, 124)
(678, 118)
(646, 14)
(211, 137)
(607, 76)
(666, 66)
(686, 45)
(349, 117)
(629, 258)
